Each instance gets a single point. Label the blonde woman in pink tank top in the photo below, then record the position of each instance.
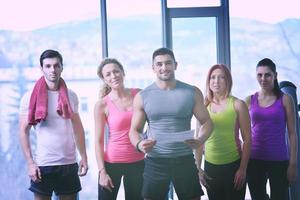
(116, 158)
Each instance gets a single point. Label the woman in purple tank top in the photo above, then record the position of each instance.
(271, 112)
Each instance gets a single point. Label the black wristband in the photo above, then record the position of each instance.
(137, 146)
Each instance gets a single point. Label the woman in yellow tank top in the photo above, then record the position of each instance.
(226, 157)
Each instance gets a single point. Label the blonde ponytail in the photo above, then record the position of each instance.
(104, 90)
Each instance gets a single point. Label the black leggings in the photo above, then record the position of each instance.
(276, 171)
(221, 184)
(132, 174)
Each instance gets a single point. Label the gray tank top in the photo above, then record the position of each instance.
(167, 112)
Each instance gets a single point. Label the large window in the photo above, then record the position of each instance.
(133, 32)
(135, 28)
(197, 34)
(192, 3)
(194, 44)
(260, 35)
(27, 29)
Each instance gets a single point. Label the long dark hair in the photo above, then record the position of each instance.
(163, 51)
(271, 65)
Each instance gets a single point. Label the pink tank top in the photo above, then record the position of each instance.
(119, 148)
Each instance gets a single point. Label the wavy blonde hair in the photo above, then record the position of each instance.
(105, 90)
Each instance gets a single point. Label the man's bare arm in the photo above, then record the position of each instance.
(80, 143)
(202, 116)
(137, 125)
(24, 128)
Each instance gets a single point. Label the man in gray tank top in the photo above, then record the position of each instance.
(167, 106)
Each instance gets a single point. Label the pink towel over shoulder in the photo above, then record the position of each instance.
(38, 105)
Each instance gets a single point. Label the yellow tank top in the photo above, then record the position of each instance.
(223, 146)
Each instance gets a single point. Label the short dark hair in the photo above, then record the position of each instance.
(163, 51)
(49, 53)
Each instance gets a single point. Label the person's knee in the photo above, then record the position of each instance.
(68, 197)
(38, 196)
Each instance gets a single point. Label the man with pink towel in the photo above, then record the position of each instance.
(52, 110)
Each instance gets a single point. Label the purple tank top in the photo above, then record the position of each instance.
(268, 125)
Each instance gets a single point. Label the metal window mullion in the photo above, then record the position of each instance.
(104, 36)
(194, 12)
(166, 25)
(223, 35)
